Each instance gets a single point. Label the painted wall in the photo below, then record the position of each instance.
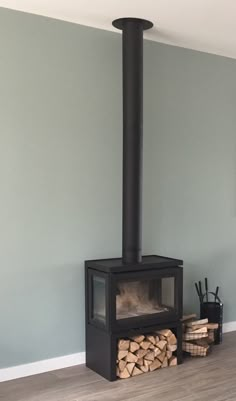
(60, 173)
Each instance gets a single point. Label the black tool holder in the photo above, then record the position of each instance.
(213, 311)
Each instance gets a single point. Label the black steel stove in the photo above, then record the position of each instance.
(133, 294)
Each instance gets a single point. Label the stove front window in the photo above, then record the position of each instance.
(144, 297)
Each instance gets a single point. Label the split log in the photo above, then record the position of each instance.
(194, 349)
(141, 353)
(209, 326)
(168, 354)
(172, 348)
(165, 332)
(131, 357)
(146, 362)
(151, 339)
(122, 354)
(172, 340)
(144, 368)
(130, 367)
(138, 339)
(155, 365)
(150, 356)
(212, 326)
(162, 337)
(165, 363)
(140, 362)
(137, 371)
(123, 345)
(157, 351)
(133, 346)
(145, 344)
(122, 364)
(198, 329)
(162, 356)
(194, 336)
(173, 361)
(157, 339)
(161, 344)
(125, 374)
(197, 322)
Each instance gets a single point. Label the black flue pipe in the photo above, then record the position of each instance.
(132, 44)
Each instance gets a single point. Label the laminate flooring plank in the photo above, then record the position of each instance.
(198, 379)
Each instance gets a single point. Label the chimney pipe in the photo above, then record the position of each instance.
(132, 33)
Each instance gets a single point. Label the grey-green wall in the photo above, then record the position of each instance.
(60, 173)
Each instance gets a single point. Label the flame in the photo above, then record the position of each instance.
(134, 300)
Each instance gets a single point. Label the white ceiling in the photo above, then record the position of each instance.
(206, 25)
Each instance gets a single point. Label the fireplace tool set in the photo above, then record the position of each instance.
(212, 310)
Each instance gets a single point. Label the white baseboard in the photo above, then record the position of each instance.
(61, 362)
(47, 365)
(228, 327)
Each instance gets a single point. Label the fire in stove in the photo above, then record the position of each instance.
(144, 297)
(134, 300)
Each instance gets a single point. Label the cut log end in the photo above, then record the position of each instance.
(150, 356)
(133, 346)
(173, 361)
(124, 375)
(123, 345)
(161, 344)
(137, 371)
(151, 339)
(155, 365)
(144, 368)
(145, 344)
(141, 354)
(122, 354)
(131, 357)
(130, 367)
(121, 365)
(165, 363)
(138, 339)
(162, 356)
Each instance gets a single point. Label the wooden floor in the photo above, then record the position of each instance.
(203, 379)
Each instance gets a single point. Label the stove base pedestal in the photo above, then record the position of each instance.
(101, 346)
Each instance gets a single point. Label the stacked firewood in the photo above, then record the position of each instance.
(141, 354)
(198, 335)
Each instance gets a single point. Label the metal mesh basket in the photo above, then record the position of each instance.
(213, 311)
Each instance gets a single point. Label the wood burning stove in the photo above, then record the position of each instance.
(133, 294)
(125, 300)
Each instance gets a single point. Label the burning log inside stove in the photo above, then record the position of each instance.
(133, 299)
(142, 354)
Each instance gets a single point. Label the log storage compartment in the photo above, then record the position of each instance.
(133, 312)
(145, 353)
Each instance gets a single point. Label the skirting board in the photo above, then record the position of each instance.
(47, 365)
(228, 327)
(61, 362)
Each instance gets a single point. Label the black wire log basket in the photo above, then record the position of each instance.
(213, 311)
